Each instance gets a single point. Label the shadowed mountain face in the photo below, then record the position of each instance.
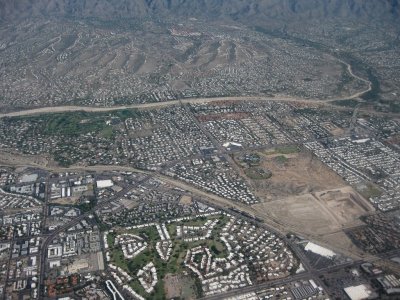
(258, 10)
(114, 52)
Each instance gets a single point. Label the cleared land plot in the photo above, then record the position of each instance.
(344, 204)
(323, 213)
(185, 200)
(179, 286)
(65, 201)
(293, 174)
(86, 263)
(15, 159)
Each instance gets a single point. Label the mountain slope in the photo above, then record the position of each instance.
(237, 9)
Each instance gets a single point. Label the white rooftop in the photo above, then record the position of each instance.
(358, 292)
(319, 250)
(29, 178)
(101, 184)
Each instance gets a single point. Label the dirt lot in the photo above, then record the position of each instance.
(319, 213)
(128, 204)
(65, 201)
(179, 286)
(185, 200)
(14, 159)
(293, 174)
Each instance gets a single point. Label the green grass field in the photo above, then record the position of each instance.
(281, 159)
(80, 122)
(287, 149)
(257, 173)
(370, 191)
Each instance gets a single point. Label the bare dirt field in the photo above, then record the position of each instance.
(293, 174)
(185, 200)
(65, 201)
(15, 159)
(320, 213)
(341, 241)
(345, 204)
(179, 286)
(333, 129)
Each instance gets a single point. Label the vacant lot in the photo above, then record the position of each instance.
(65, 201)
(179, 286)
(319, 213)
(293, 174)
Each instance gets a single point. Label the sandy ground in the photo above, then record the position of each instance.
(321, 213)
(14, 159)
(342, 241)
(185, 200)
(300, 174)
(65, 201)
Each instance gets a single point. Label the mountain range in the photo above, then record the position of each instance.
(255, 10)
